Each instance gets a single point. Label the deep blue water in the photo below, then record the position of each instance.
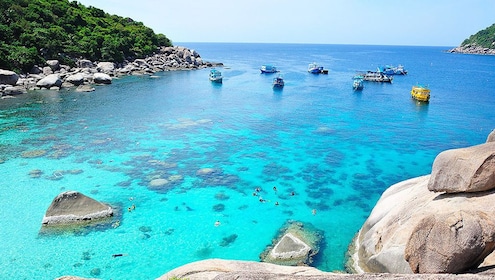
(336, 149)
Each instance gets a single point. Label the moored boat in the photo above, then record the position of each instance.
(377, 77)
(313, 68)
(267, 68)
(392, 70)
(357, 83)
(216, 76)
(420, 93)
(278, 82)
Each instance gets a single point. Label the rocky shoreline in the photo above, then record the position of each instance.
(56, 76)
(472, 49)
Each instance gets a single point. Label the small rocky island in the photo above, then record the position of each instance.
(72, 207)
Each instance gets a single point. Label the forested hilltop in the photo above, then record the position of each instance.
(483, 42)
(484, 38)
(32, 31)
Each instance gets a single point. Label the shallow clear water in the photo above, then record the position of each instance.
(336, 149)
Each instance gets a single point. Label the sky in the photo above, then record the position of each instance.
(368, 22)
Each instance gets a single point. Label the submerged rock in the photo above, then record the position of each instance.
(73, 207)
(295, 245)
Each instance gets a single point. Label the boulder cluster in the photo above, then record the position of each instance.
(57, 76)
(438, 223)
(473, 49)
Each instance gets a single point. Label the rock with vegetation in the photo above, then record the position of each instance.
(414, 229)
(66, 30)
(68, 41)
(483, 42)
(72, 207)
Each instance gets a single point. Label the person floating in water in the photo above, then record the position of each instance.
(292, 193)
(276, 203)
(313, 211)
(274, 188)
(217, 223)
(258, 189)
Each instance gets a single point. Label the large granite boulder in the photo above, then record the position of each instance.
(8, 77)
(52, 80)
(75, 79)
(106, 67)
(469, 169)
(73, 207)
(450, 242)
(227, 269)
(405, 216)
(414, 229)
(102, 78)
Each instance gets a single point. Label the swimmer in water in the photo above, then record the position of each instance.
(217, 223)
(313, 211)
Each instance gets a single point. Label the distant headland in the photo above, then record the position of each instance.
(483, 42)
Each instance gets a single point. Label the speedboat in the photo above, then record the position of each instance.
(357, 83)
(278, 82)
(216, 76)
(420, 93)
(267, 68)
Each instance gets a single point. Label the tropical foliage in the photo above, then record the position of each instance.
(484, 38)
(32, 31)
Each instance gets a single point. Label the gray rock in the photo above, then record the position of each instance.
(217, 269)
(491, 137)
(53, 64)
(47, 70)
(296, 245)
(52, 80)
(74, 207)
(35, 70)
(8, 77)
(102, 78)
(450, 243)
(469, 169)
(106, 67)
(84, 63)
(14, 90)
(75, 79)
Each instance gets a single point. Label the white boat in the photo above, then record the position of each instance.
(313, 68)
(278, 82)
(358, 84)
(216, 76)
(267, 68)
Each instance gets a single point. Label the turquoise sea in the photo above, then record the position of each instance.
(336, 149)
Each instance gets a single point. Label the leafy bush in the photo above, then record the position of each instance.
(32, 31)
